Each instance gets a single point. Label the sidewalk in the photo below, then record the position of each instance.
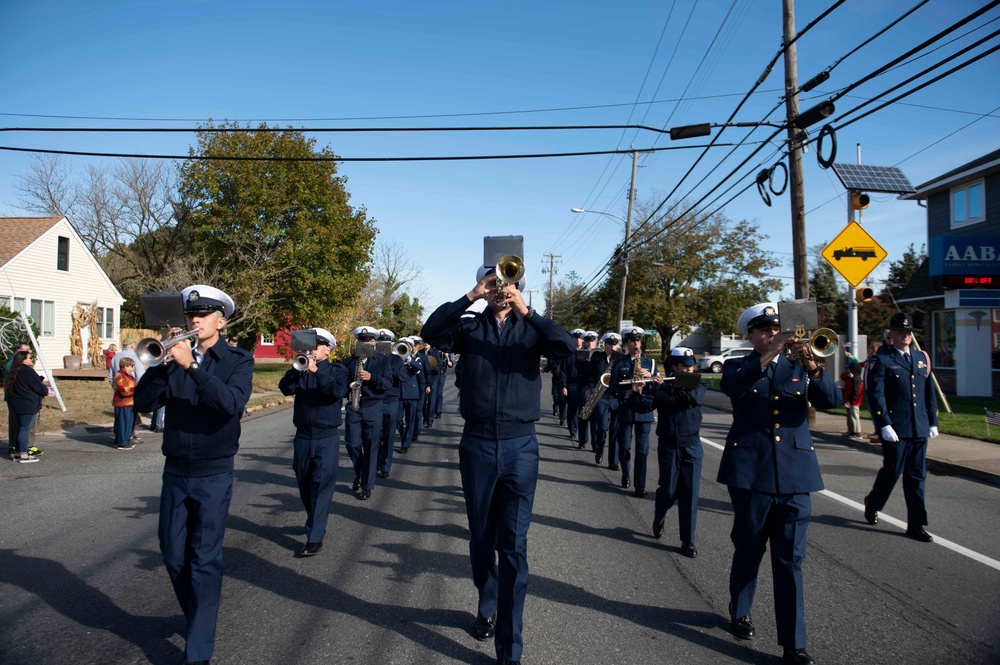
(947, 454)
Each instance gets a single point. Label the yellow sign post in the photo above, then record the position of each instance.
(854, 253)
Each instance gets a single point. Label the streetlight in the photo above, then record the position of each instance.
(628, 228)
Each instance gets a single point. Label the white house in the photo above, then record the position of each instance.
(45, 271)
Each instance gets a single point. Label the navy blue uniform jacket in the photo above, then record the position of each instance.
(501, 378)
(202, 429)
(678, 422)
(899, 396)
(381, 380)
(632, 408)
(769, 448)
(413, 385)
(316, 414)
(599, 365)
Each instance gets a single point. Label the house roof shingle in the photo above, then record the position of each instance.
(16, 233)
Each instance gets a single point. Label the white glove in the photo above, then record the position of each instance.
(889, 434)
(934, 432)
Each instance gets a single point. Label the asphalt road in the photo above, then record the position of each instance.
(81, 579)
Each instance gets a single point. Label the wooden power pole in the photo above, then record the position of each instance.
(795, 186)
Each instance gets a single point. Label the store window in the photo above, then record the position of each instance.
(967, 205)
(944, 339)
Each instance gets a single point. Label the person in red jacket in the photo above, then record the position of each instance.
(854, 390)
(124, 414)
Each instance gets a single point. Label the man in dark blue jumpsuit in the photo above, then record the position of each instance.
(363, 428)
(410, 391)
(392, 407)
(205, 391)
(633, 413)
(770, 466)
(904, 410)
(319, 390)
(678, 450)
(500, 401)
(605, 415)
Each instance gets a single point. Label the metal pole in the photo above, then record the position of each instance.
(852, 304)
(628, 232)
(796, 190)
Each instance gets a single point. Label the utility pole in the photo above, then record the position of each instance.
(552, 272)
(628, 233)
(796, 190)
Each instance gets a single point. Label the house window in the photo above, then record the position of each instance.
(106, 322)
(967, 205)
(944, 339)
(267, 340)
(19, 305)
(5, 301)
(62, 255)
(43, 313)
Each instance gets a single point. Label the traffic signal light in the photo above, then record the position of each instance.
(859, 201)
(863, 293)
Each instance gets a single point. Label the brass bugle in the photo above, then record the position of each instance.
(152, 352)
(823, 343)
(509, 270)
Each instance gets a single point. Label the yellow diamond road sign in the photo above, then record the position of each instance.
(854, 253)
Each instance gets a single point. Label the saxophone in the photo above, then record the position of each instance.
(596, 396)
(355, 401)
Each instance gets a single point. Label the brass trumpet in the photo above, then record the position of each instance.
(822, 343)
(301, 361)
(510, 270)
(152, 352)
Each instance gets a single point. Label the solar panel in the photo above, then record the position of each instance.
(868, 178)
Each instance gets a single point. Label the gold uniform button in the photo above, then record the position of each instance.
(812, 448)
(775, 398)
(797, 392)
(777, 438)
(777, 425)
(735, 444)
(755, 390)
(914, 394)
(775, 412)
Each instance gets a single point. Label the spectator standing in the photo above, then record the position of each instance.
(24, 391)
(125, 383)
(853, 395)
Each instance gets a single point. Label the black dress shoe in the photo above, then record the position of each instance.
(484, 628)
(796, 656)
(626, 482)
(871, 516)
(383, 474)
(598, 458)
(365, 495)
(657, 530)
(689, 550)
(403, 451)
(311, 549)
(639, 493)
(582, 446)
(614, 467)
(357, 484)
(742, 626)
(919, 533)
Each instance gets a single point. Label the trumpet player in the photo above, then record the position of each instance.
(363, 427)
(585, 428)
(770, 466)
(569, 384)
(410, 392)
(391, 406)
(628, 379)
(678, 448)
(318, 388)
(500, 401)
(605, 414)
(205, 390)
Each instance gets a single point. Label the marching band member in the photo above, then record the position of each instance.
(391, 406)
(605, 415)
(420, 356)
(633, 413)
(363, 428)
(770, 467)
(318, 391)
(205, 391)
(409, 395)
(498, 455)
(584, 429)
(435, 384)
(905, 412)
(569, 384)
(678, 450)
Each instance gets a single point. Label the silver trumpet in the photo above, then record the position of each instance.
(402, 349)
(635, 370)
(152, 352)
(510, 270)
(301, 361)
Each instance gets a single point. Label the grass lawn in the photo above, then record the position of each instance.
(89, 401)
(968, 419)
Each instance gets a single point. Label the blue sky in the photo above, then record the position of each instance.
(357, 64)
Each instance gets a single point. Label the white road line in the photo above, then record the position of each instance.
(883, 518)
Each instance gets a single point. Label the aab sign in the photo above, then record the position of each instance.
(962, 255)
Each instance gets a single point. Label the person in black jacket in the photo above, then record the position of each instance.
(318, 390)
(500, 401)
(23, 391)
(678, 450)
(363, 428)
(205, 391)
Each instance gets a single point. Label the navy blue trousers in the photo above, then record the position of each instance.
(390, 418)
(907, 458)
(498, 480)
(363, 431)
(431, 403)
(680, 482)
(641, 450)
(315, 464)
(572, 409)
(409, 423)
(124, 422)
(193, 515)
(782, 520)
(419, 416)
(439, 390)
(606, 430)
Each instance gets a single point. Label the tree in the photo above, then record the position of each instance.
(902, 271)
(829, 291)
(392, 272)
(566, 296)
(281, 235)
(684, 272)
